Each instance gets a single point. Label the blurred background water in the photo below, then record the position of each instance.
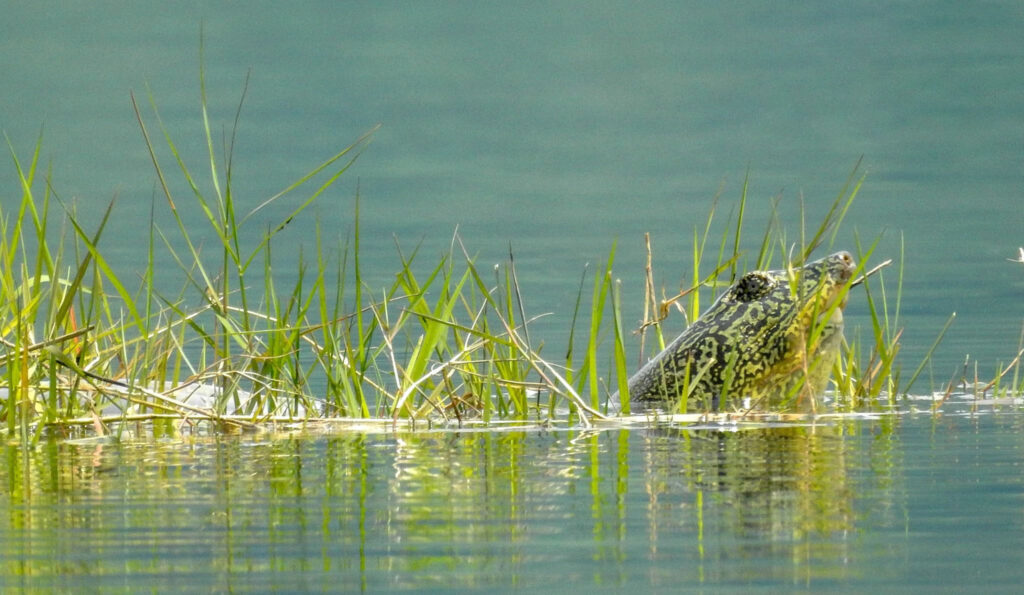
(556, 129)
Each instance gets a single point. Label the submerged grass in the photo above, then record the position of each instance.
(444, 344)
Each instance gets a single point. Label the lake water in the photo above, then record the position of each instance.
(916, 501)
(556, 129)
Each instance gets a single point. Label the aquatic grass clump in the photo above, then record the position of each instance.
(83, 349)
(445, 345)
(468, 351)
(445, 342)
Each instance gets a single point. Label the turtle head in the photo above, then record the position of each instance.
(822, 286)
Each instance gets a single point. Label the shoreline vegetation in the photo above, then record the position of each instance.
(84, 352)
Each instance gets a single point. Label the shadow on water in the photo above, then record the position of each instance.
(447, 509)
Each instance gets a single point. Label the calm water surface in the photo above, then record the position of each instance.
(556, 129)
(919, 501)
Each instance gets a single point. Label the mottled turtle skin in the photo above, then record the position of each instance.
(753, 341)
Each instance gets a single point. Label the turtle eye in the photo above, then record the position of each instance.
(752, 286)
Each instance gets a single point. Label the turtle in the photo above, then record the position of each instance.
(771, 335)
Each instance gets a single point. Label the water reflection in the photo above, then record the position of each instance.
(758, 496)
(445, 509)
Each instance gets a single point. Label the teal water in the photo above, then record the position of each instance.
(555, 129)
(919, 502)
(558, 129)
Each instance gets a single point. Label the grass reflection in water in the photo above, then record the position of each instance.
(443, 508)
